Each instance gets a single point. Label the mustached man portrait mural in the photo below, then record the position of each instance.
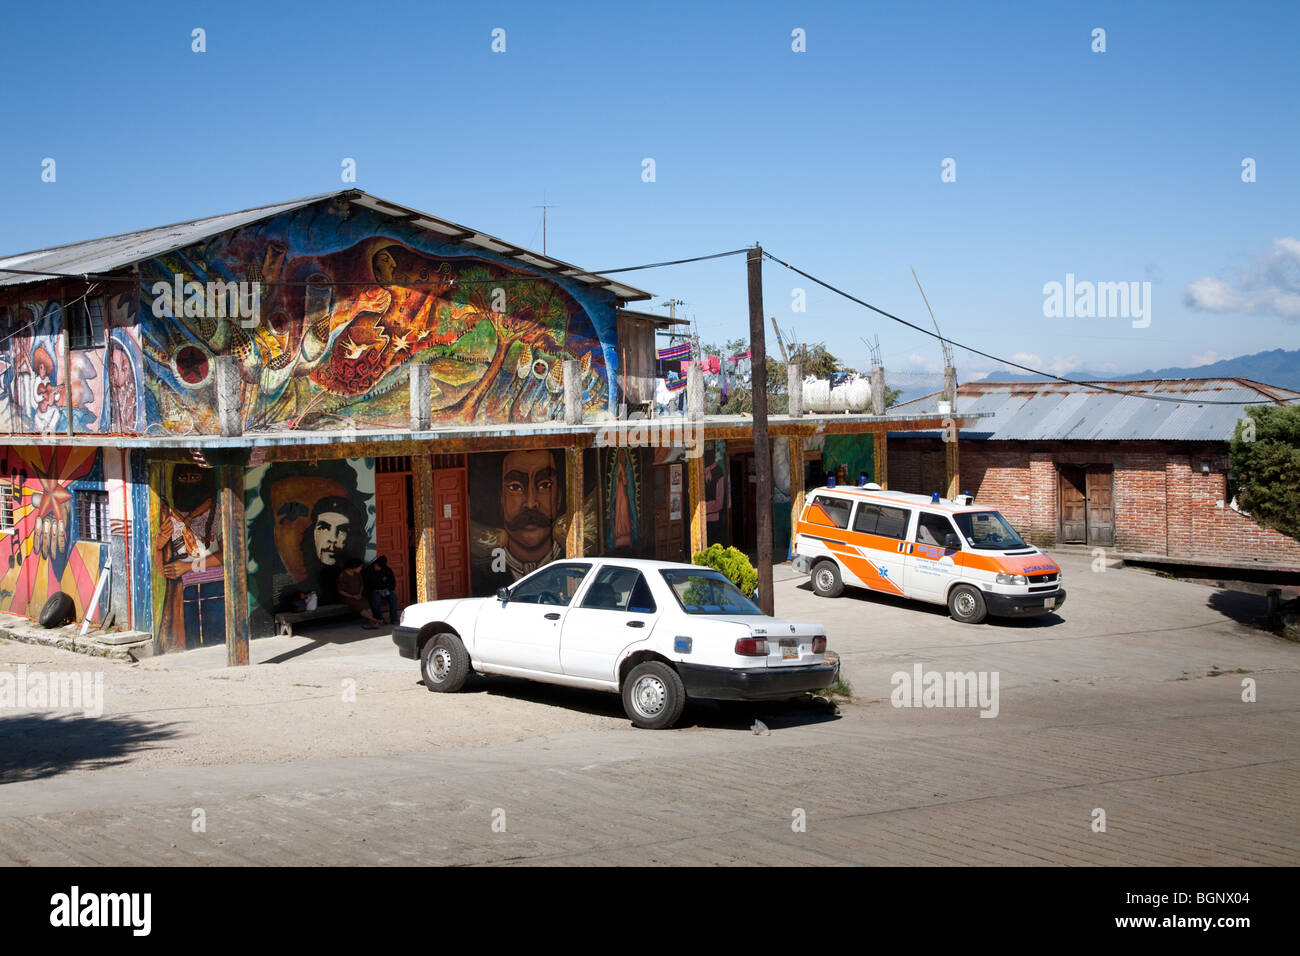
(306, 520)
(350, 299)
(517, 514)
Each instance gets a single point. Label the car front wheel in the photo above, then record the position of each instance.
(966, 604)
(653, 696)
(444, 664)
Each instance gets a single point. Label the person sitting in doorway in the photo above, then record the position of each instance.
(381, 587)
(351, 590)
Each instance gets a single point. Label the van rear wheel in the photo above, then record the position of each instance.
(966, 604)
(826, 580)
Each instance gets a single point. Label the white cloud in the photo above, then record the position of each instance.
(1208, 358)
(1269, 286)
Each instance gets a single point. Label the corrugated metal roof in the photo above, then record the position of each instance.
(110, 253)
(1056, 411)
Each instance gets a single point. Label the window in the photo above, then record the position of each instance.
(988, 531)
(555, 584)
(936, 530)
(85, 322)
(707, 592)
(882, 520)
(836, 510)
(92, 515)
(619, 589)
(8, 503)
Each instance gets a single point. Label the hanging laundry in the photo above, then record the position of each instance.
(674, 351)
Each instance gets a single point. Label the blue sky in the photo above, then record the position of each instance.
(1119, 166)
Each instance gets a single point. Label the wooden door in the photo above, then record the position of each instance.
(670, 535)
(392, 529)
(1101, 508)
(451, 532)
(1074, 505)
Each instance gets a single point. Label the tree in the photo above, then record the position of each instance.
(1264, 460)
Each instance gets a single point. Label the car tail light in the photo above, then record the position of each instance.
(752, 647)
(819, 645)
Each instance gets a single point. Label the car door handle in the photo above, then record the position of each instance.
(553, 616)
(636, 623)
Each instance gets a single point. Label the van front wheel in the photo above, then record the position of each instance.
(966, 604)
(826, 580)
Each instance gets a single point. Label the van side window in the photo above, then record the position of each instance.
(882, 520)
(933, 529)
(835, 509)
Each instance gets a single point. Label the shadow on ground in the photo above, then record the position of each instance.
(708, 714)
(329, 637)
(38, 745)
(1240, 606)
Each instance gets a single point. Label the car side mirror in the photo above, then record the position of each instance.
(951, 543)
(503, 595)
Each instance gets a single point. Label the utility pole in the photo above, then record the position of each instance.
(543, 207)
(762, 446)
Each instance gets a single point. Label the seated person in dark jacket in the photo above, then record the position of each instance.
(380, 587)
(352, 591)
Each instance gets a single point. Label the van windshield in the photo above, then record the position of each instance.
(987, 531)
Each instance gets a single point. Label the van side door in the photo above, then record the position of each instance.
(875, 552)
(932, 561)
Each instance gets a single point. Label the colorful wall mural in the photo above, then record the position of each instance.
(305, 520)
(187, 573)
(623, 500)
(517, 512)
(42, 554)
(104, 391)
(350, 299)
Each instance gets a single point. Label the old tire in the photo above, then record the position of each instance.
(58, 610)
(826, 580)
(444, 664)
(653, 696)
(966, 604)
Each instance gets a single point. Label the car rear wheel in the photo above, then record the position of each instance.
(653, 696)
(444, 664)
(966, 604)
(826, 580)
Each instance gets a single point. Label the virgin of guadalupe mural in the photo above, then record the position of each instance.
(349, 303)
(621, 471)
(190, 601)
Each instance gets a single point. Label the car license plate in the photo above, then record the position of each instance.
(789, 650)
(1049, 602)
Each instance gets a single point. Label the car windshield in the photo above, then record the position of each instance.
(987, 531)
(707, 592)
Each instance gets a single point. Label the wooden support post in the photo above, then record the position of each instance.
(699, 516)
(762, 447)
(573, 481)
(796, 478)
(426, 529)
(880, 456)
(421, 396)
(229, 465)
(794, 390)
(952, 466)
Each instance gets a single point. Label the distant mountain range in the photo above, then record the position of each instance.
(1278, 367)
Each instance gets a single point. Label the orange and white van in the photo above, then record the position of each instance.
(956, 553)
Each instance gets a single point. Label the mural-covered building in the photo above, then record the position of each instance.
(123, 360)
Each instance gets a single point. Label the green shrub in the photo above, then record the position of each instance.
(733, 564)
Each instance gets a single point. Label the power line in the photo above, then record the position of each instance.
(674, 262)
(988, 355)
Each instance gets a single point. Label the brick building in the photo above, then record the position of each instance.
(1072, 465)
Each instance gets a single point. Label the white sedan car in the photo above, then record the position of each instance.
(654, 631)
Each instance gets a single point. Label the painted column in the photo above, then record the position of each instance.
(699, 517)
(573, 481)
(880, 456)
(796, 480)
(426, 557)
(230, 465)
